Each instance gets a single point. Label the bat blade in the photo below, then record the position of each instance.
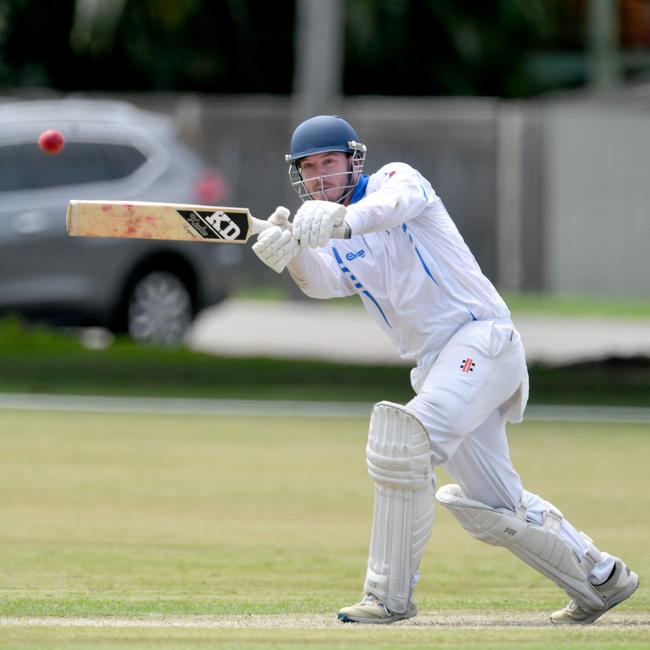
(171, 221)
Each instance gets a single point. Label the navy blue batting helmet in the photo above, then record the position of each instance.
(323, 133)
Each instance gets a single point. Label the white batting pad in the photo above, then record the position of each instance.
(541, 547)
(399, 461)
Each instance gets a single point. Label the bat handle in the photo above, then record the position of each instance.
(260, 225)
(279, 218)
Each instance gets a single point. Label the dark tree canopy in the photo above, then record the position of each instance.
(392, 47)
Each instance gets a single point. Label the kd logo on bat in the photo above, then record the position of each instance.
(215, 225)
(224, 225)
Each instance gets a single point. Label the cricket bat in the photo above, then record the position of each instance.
(174, 221)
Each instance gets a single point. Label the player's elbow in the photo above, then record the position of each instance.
(310, 289)
(302, 282)
(313, 292)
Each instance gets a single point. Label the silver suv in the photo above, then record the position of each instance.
(150, 289)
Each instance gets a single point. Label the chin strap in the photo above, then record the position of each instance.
(350, 185)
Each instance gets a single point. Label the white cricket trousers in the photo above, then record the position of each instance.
(477, 383)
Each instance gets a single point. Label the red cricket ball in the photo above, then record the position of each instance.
(51, 141)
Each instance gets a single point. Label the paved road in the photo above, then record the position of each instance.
(344, 332)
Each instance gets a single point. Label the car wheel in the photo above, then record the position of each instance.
(159, 308)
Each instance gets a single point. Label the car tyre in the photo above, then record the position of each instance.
(159, 308)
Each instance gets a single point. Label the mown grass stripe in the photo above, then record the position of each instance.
(283, 408)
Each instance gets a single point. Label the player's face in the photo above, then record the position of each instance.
(326, 175)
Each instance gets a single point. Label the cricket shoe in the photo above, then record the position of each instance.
(372, 610)
(619, 586)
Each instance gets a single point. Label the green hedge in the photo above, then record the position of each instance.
(34, 359)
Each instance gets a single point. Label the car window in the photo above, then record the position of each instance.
(26, 167)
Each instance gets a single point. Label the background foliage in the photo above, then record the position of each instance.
(392, 47)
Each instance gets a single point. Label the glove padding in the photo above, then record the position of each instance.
(275, 246)
(316, 222)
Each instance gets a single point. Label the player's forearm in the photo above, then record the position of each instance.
(401, 198)
(383, 210)
(317, 276)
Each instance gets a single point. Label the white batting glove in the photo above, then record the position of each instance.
(316, 222)
(276, 248)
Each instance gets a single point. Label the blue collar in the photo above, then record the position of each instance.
(360, 189)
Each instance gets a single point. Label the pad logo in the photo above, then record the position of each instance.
(216, 225)
(468, 365)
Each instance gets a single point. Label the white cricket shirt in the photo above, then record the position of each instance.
(407, 261)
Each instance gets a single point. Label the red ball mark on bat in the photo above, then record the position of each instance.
(107, 207)
(132, 225)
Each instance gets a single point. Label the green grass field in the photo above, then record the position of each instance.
(519, 303)
(142, 531)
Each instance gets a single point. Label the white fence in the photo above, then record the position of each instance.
(551, 194)
(597, 212)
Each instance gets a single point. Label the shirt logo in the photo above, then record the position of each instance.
(468, 365)
(353, 256)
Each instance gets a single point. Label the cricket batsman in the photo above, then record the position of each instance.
(404, 257)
